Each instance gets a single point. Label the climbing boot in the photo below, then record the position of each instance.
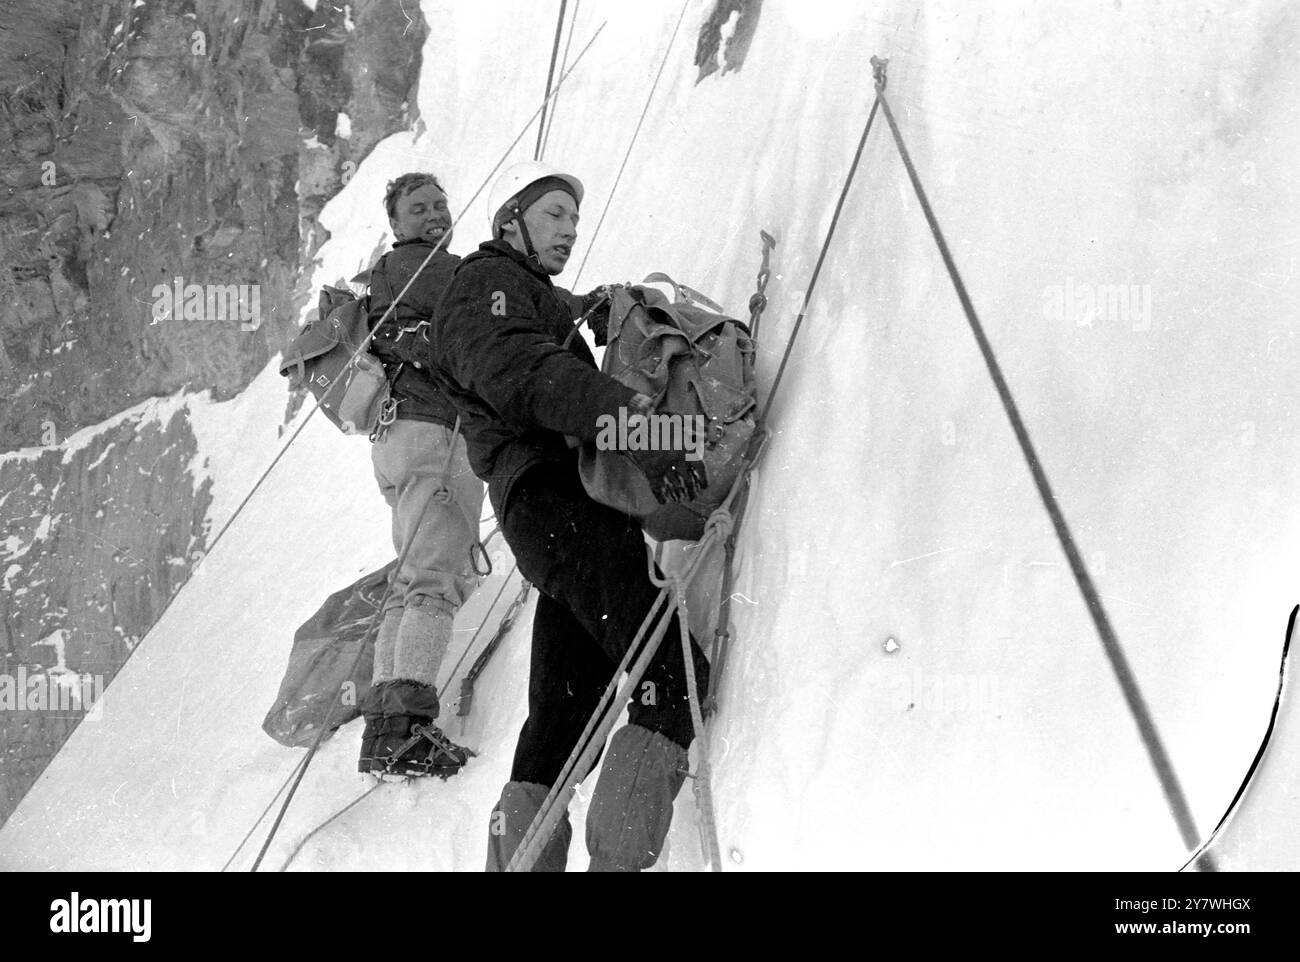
(632, 805)
(514, 812)
(407, 742)
(373, 714)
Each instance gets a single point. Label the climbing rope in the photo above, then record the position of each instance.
(631, 143)
(1109, 641)
(703, 789)
(552, 807)
(550, 74)
(817, 269)
(722, 630)
(284, 866)
(591, 243)
(258, 821)
(564, 62)
(702, 714)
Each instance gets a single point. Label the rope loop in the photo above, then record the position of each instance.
(665, 582)
(476, 551)
(879, 65)
(720, 522)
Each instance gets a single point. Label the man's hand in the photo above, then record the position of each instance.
(672, 478)
(595, 307)
(595, 296)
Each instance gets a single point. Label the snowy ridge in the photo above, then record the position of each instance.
(915, 683)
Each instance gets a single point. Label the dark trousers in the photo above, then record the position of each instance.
(588, 562)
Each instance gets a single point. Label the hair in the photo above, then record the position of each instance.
(399, 188)
(525, 199)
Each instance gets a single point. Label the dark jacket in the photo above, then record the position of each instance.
(496, 351)
(403, 344)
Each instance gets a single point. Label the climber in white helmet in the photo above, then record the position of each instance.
(555, 221)
(500, 348)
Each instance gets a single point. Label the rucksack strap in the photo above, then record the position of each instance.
(684, 293)
(392, 315)
(370, 286)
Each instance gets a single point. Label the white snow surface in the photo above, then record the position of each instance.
(915, 682)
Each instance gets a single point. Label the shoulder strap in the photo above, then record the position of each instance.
(370, 284)
(683, 292)
(391, 371)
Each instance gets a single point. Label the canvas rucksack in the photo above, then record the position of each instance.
(351, 390)
(690, 360)
(324, 665)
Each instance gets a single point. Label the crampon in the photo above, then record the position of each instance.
(427, 752)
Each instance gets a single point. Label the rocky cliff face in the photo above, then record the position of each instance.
(145, 148)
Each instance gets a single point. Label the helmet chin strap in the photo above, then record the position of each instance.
(529, 250)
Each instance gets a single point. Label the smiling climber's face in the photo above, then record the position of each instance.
(422, 213)
(552, 223)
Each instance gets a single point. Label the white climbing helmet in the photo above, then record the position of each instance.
(515, 179)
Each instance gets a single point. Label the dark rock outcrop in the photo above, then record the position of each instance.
(716, 46)
(140, 144)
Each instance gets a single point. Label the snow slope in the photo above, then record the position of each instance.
(916, 683)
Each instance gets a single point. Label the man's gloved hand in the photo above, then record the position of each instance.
(595, 306)
(671, 476)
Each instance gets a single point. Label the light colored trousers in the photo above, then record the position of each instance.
(437, 533)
